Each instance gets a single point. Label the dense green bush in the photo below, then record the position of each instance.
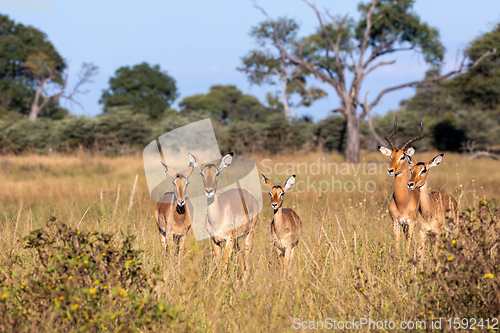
(79, 281)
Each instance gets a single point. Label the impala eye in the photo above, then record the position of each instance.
(402, 157)
(423, 171)
(270, 194)
(281, 194)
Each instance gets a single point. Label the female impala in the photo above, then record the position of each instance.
(230, 215)
(435, 207)
(404, 203)
(172, 217)
(286, 226)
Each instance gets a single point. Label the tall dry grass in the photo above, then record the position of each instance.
(347, 266)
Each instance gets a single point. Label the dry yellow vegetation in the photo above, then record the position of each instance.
(347, 266)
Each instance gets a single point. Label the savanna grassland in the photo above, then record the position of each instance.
(347, 265)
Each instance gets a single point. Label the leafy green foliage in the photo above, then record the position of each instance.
(142, 89)
(396, 25)
(80, 281)
(222, 104)
(481, 86)
(20, 45)
(113, 134)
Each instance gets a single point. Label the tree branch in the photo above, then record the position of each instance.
(298, 62)
(433, 79)
(334, 45)
(380, 64)
(366, 35)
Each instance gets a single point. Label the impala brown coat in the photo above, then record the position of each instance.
(435, 207)
(286, 226)
(174, 211)
(230, 215)
(404, 203)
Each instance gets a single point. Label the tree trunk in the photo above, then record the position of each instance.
(34, 112)
(284, 85)
(35, 108)
(352, 147)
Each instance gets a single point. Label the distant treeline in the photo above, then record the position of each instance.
(124, 132)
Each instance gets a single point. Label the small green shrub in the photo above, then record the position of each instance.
(463, 280)
(79, 281)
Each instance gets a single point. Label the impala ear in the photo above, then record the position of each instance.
(168, 170)
(289, 182)
(385, 151)
(435, 161)
(410, 160)
(189, 170)
(268, 183)
(410, 151)
(226, 161)
(196, 162)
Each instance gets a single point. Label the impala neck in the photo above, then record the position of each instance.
(180, 209)
(401, 191)
(426, 204)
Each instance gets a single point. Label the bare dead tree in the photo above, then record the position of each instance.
(363, 62)
(45, 74)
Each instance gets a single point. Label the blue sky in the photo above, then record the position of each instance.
(200, 43)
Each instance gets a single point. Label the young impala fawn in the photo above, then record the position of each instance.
(174, 211)
(286, 226)
(435, 207)
(230, 215)
(404, 203)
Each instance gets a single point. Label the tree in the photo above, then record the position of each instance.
(18, 45)
(45, 77)
(263, 67)
(481, 86)
(142, 89)
(223, 104)
(342, 53)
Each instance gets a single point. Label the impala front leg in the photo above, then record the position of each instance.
(248, 249)
(397, 232)
(423, 239)
(411, 229)
(182, 246)
(288, 254)
(228, 250)
(170, 242)
(218, 253)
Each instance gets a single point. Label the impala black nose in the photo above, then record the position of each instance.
(391, 170)
(411, 185)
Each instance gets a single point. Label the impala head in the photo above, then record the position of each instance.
(180, 181)
(210, 172)
(277, 192)
(420, 172)
(399, 156)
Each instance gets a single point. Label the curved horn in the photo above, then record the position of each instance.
(420, 137)
(388, 137)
